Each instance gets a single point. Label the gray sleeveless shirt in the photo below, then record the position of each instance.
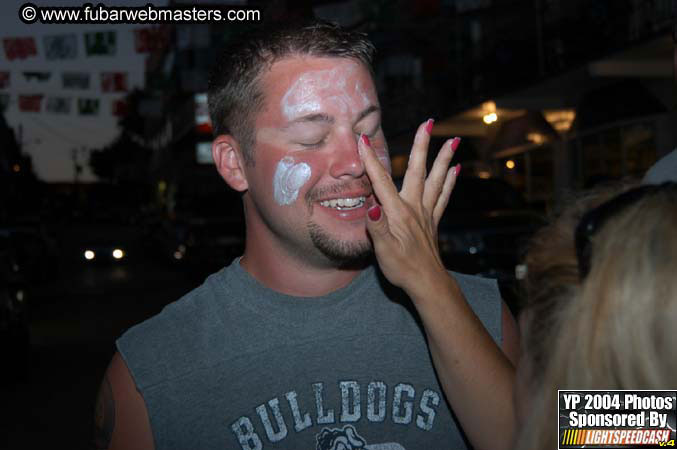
(235, 365)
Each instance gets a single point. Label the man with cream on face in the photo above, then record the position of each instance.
(307, 340)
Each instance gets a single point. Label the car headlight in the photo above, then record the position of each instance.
(118, 254)
(89, 255)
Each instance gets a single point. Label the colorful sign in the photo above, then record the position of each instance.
(100, 43)
(37, 76)
(59, 105)
(30, 103)
(62, 46)
(75, 80)
(19, 48)
(88, 106)
(4, 79)
(114, 82)
(150, 39)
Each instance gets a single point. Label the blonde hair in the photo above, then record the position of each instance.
(617, 331)
(552, 277)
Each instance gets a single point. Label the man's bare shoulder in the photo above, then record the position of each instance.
(120, 417)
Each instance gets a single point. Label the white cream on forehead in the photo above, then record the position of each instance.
(288, 179)
(306, 94)
(362, 94)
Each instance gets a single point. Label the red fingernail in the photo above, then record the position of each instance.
(374, 213)
(365, 139)
(458, 169)
(429, 125)
(455, 143)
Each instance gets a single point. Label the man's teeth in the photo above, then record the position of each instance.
(344, 203)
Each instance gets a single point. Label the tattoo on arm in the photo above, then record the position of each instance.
(104, 417)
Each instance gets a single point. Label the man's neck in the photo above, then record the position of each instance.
(284, 273)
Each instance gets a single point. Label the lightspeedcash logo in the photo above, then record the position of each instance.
(617, 419)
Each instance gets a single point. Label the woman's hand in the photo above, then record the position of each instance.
(472, 369)
(404, 228)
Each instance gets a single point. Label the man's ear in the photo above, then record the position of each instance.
(229, 161)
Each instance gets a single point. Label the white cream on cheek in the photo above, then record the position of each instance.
(288, 179)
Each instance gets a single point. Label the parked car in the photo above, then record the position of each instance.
(104, 243)
(104, 251)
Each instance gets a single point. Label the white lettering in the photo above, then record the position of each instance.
(376, 413)
(244, 431)
(571, 400)
(273, 436)
(426, 423)
(350, 411)
(657, 419)
(322, 418)
(299, 423)
(402, 412)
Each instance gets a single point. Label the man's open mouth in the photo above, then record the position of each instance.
(344, 204)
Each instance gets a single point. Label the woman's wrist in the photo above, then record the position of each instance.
(431, 287)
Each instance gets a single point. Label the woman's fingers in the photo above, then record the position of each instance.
(443, 199)
(438, 175)
(377, 226)
(403, 229)
(412, 185)
(385, 190)
(381, 181)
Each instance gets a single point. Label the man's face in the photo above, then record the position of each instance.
(308, 185)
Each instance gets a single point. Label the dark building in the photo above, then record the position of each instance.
(547, 94)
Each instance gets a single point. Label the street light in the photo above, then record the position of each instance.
(490, 118)
(489, 109)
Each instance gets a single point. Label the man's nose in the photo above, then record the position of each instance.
(346, 161)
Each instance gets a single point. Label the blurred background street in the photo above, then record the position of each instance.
(74, 319)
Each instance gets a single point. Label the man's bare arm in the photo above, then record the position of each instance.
(104, 416)
(120, 419)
